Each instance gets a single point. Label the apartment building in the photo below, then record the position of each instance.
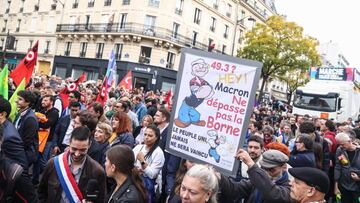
(146, 35)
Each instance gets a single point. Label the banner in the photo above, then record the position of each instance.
(212, 108)
(331, 73)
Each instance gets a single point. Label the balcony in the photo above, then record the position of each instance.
(36, 8)
(7, 10)
(212, 28)
(17, 29)
(107, 3)
(129, 29)
(75, 5)
(67, 53)
(178, 11)
(53, 6)
(4, 29)
(91, 4)
(21, 10)
(46, 51)
(126, 2)
(82, 54)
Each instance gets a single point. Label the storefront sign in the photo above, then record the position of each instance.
(212, 108)
(143, 69)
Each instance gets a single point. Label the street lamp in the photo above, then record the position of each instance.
(249, 18)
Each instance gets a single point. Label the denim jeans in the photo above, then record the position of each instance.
(43, 158)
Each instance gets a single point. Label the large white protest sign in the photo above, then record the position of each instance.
(213, 103)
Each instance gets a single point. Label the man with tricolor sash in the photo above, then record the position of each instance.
(66, 176)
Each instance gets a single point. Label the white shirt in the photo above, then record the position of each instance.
(66, 140)
(154, 163)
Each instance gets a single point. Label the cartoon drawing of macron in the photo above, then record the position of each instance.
(200, 90)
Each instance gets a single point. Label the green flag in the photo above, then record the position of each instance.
(13, 99)
(4, 75)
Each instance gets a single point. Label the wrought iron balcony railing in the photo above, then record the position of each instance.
(130, 28)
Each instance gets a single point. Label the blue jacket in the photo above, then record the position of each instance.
(140, 111)
(124, 138)
(12, 146)
(60, 130)
(302, 159)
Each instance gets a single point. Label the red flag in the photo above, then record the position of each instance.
(26, 67)
(168, 97)
(64, 95)
(126, 82)
(102, 96)
(81, 78)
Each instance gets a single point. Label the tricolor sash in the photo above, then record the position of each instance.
(66, 178)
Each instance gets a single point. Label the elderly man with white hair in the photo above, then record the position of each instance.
(347, 169)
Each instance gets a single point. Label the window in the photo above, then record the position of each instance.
(126, 2)
(75, 4)
(175, 30)
(242, 16)
(87, 21)
(61, 72)
(122, 20)
(145, 55)
(30, 44)
(213, 24)
(229, 10)
(211, 45)
(107, 3)
(118, 51)
(215, 4)
(15, 44)
(154, 3)
(240, 36)
(197, 16)
(223, 51)
(83, 47)
(149, 26)
(67, 48)
(18, 25)
(179, 6)
(5, 24)
(226, 32)
(91, 3)
(170, 60)
(194, 38)
(47, 47)
(99, 50)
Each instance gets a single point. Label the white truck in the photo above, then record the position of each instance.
(332, 93)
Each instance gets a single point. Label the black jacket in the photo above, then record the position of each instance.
(259, 188)
(126, 193)
(28, 126)
(53, 116)
(15, 184)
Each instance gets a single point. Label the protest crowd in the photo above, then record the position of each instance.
(75, 141)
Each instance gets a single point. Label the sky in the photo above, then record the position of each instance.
(327, 20)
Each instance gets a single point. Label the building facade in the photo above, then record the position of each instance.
(143, 33)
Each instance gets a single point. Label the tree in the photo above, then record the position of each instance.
(293, 80)
(281, 46)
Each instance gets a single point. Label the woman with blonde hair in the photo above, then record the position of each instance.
(102, 133)
(200, 184)
(139, 130)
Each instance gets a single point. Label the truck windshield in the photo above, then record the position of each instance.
(315, 102)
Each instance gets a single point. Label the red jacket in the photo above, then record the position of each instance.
(330, 137)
